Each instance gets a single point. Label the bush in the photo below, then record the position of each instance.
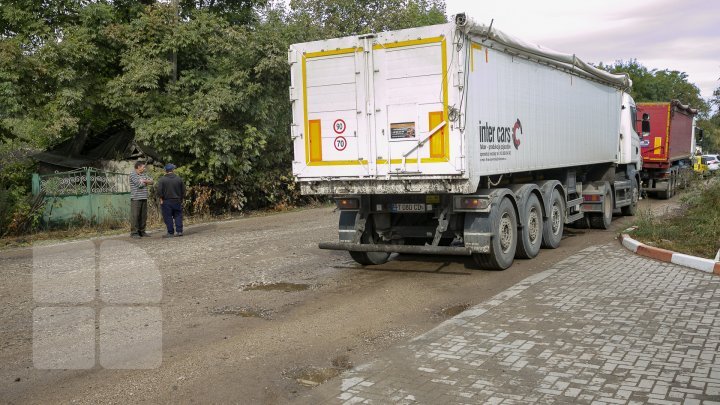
(694, 229)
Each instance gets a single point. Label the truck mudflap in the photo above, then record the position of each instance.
(409, 249)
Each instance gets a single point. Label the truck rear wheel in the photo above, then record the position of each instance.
(555, 222)
(671, 187)
(602, 221)
(631, 210)
(504, 240)
(369, 258)
(530, 238)
(666, 194)
(347, 228)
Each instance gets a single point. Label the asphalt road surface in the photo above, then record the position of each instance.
(246, 311)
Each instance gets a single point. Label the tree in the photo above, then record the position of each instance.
(335, 18)
(202, 81)
(659, 85)
(711, 126)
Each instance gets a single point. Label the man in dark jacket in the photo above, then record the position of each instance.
(171, 191)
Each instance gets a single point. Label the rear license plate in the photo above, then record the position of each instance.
(407, 207)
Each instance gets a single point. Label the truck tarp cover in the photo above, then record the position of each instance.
(562, 60)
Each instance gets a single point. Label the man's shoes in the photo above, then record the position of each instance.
(168, 235)
(144, 234)
(135, 236)
(179, 234)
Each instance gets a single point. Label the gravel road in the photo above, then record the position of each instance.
(251, 311)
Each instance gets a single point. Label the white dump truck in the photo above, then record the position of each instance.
(458, 139)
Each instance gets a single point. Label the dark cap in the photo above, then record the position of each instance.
(169, 167)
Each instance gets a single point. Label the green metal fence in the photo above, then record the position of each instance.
(84, 195)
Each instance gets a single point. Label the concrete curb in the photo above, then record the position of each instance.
(697, 263)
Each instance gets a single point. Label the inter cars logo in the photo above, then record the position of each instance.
(501, 135)
(516, 141)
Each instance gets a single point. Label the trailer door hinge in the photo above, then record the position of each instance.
(294, 93)
(295, 132)
(292, 56)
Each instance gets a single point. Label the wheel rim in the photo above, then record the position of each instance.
(506, 232)
(533, 225)
(555, 218)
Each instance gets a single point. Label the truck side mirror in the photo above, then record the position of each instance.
(645, 124)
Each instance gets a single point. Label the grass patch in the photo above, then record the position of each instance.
(692, 229)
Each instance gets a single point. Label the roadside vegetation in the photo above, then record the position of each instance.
(205, 83)
(693, 229)
(82, 229)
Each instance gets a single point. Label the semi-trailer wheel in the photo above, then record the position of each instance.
(530, 238)
(555, 222)
(631, 210)
(347, 223)
(369, 258)
(504, 240)
(602, 221)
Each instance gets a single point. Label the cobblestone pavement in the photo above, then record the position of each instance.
(601, 327)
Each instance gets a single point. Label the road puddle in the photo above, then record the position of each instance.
(313, 376)
(286, 287)
(245, 312)
(449, 312)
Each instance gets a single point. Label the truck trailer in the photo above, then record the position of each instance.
(668, 149)
(458, 139)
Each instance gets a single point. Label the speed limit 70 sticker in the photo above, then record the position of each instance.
(340, 143)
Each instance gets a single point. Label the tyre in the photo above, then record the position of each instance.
(369, 258)
(347, 223)
(631, 210)
(504, 240)
(603, 220)
(666, 194)
(581, 223)
(555, 222)
(530, 237)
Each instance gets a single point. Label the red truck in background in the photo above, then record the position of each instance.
(668, 148)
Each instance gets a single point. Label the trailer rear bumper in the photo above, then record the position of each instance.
(409, 249)
(396, 185)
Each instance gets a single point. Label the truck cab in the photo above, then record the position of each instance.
(629, 145)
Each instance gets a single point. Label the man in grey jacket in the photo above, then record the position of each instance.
(171, 191)
(139, 183)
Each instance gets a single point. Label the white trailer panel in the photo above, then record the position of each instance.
(433, 109)
(522, 116)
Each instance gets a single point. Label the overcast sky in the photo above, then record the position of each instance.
(679, 35)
